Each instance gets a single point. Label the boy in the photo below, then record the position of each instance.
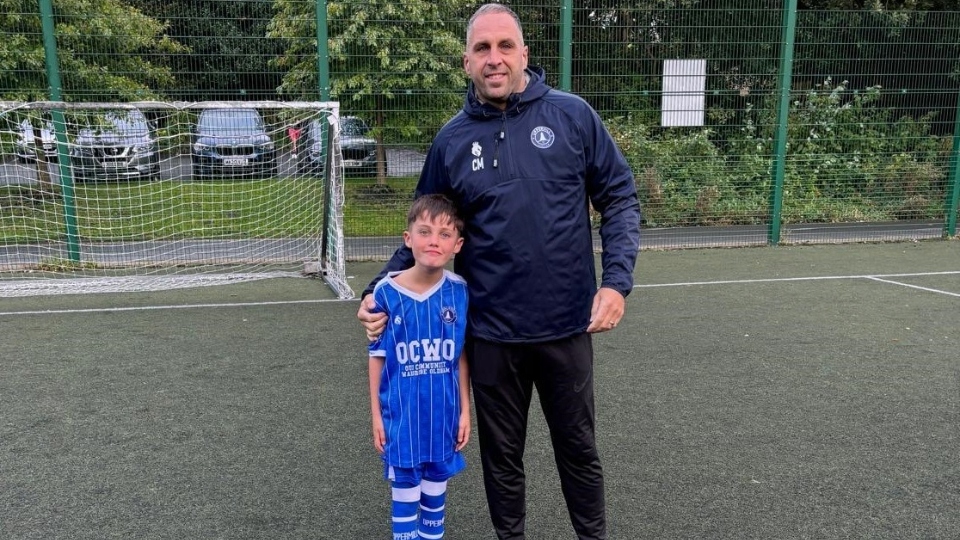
(419, 383)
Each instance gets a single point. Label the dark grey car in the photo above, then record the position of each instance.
(233, 142)
(119, 145)
(358, 148)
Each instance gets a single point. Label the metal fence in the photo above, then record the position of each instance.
(745, 122)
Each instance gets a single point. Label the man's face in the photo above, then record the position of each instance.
(495, 58)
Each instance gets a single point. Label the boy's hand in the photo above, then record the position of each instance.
(463, 434)
(379, 435)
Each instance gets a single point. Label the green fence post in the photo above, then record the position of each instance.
(59, 128)
(953, 179)
(783, 114)
(323, 54)
(566, 45)
(323, 81)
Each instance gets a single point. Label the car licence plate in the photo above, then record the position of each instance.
(235, 162)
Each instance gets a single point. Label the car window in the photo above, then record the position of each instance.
(230, 122)
(128, 122)
(315, 129)
(353, 127)
(27, 130)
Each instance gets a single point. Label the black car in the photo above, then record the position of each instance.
(120, 144)
(233, 142)
(358, 148)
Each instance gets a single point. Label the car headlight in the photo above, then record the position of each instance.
(200, 148)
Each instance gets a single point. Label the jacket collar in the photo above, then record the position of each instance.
(535, 89)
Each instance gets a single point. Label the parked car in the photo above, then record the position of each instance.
(358, 148)
(121, 144)
(231, 142)
(26, 143)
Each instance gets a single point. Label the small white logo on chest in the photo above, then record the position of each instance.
(542, 137)
(477, 163)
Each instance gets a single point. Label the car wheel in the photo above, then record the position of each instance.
(79, 175)
(154, 172)
(199, 173)
(270, 169)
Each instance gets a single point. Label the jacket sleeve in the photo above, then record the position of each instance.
(401, 260)
(613, 193)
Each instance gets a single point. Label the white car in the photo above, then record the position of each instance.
(27, 142)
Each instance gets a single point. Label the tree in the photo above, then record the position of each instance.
(104, 48)
(229, 52)
(103, 52)
(399, 64)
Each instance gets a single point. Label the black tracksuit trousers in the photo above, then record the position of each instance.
(503, 378)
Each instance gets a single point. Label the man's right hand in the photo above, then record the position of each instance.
(373, 323)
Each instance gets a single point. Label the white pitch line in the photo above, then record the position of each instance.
(875, 277)
(809, 278)
(928, 289)
(155, 308)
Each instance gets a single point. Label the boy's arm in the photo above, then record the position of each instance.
(379, 435)
(463, 434)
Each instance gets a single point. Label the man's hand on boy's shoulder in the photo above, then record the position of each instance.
(373, 322)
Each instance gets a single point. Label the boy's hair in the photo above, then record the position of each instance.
(434, 206)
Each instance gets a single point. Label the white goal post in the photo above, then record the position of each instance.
(152, 195)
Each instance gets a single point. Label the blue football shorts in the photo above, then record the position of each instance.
(433, 471)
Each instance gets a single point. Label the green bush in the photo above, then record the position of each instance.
(848, 159)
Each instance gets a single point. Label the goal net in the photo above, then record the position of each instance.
(154, 195)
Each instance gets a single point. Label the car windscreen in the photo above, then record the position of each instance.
(239, 122)
(119, 123)
(352, 127)
(130, 124)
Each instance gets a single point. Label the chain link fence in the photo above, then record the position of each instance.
(753, 124)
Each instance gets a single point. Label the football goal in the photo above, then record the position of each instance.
(154, 195)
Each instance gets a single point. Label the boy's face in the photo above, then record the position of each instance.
(433, 241)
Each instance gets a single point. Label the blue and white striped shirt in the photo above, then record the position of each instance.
(420, 382)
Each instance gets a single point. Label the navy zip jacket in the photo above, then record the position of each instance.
(524, 179)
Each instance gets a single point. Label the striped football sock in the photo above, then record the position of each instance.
(406, 498)
(432, 500)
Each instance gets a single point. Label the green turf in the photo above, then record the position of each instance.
(782, 407)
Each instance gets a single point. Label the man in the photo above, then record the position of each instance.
(524, 162)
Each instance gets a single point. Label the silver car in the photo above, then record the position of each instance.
(120, 145)
(26, 143)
